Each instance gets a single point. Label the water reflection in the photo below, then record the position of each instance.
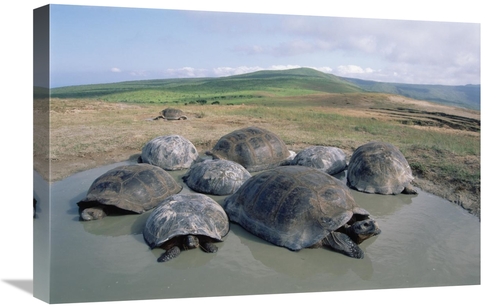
(305, 263)
(379, 205)
(116, 225)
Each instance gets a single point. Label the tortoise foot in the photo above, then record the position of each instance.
(342, 243)
(409, 190)
(170, 254)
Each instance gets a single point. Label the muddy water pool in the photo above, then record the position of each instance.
(426, 241)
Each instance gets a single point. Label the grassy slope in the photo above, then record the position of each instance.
(254, 86)
(249, 86)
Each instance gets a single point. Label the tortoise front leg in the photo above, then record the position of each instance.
(171, 253)
(409, 190)
(342, 243)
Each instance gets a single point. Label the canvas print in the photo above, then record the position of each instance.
(182, 154)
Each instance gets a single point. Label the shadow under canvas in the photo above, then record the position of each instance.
(22, 284)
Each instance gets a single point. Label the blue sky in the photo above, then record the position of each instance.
(92, 44)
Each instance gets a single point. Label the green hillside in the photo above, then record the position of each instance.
(302, 78)
(233, 89)
(260, 85)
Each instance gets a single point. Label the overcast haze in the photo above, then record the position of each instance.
(109, 44)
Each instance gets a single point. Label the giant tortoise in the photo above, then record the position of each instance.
(301, 207)
(171, 152)
(379, 167)
(127, 189)
(331, 160)
(216, 177)
(254, 148)
(186, 221)
(171, 114)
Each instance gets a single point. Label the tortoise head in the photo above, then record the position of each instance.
(190, 242)
(362, 230)
(92, 213)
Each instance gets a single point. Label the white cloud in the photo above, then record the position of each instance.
(186, 72)
(229, 71)
(324, 69)
(116, 70)
(223, 71)
(349, 70)
(283, 67)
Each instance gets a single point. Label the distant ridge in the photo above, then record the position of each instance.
(297, 72)
(467, 96)
(298, 79)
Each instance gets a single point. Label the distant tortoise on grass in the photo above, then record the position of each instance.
(379, 167)
(127, 189)
(254, 148)
(171, 152)
(301, 207)
(216, 177)
(171, 114)
(331, 160)
(186, 221)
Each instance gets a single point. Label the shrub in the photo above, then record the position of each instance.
(418, 168)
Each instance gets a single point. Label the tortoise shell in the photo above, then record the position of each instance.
(171, 152)
(185, 214)
(216, 177)
(173, 114)
(292, 206)
(379, 167)
(254, 148)
(134, 188)
(331, 160)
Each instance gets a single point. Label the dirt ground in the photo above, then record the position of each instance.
(421, 115)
